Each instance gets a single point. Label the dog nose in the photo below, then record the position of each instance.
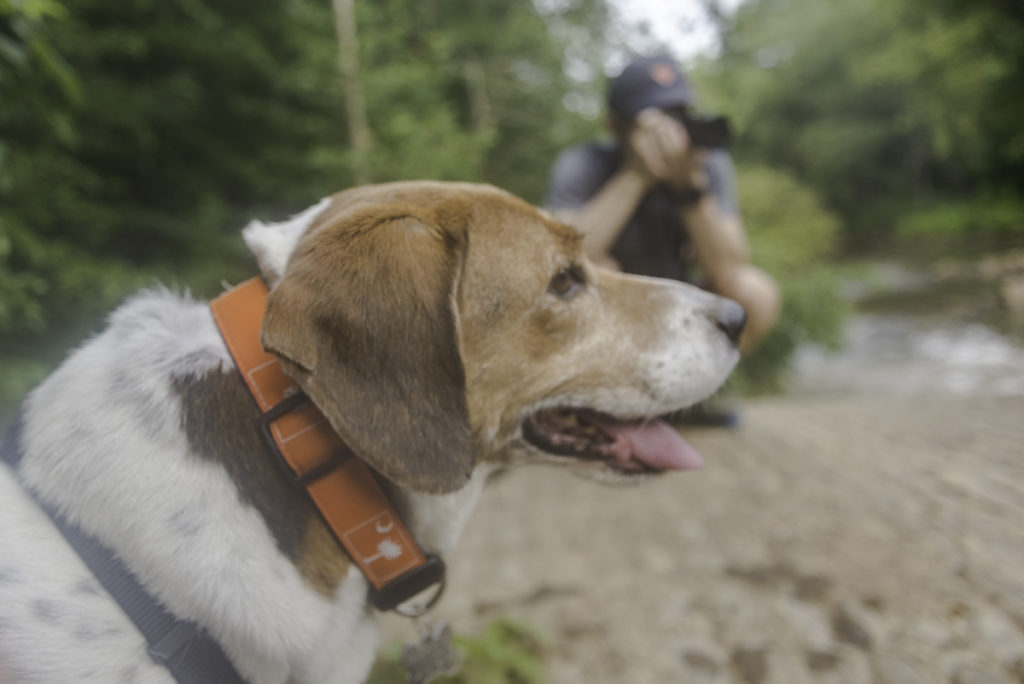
(730, 318)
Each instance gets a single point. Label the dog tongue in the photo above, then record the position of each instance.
(653, 444)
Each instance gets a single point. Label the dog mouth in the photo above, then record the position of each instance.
(627, 445)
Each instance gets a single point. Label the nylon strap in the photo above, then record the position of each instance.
(181, 646)
(349, 497)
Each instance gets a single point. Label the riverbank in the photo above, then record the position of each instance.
(938, 329)
(828, 540)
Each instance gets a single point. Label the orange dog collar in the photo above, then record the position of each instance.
(315, 458)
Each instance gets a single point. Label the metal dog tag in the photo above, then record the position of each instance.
(433, 656)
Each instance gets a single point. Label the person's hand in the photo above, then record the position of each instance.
(660, 149)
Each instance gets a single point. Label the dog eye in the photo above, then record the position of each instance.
(567, 282)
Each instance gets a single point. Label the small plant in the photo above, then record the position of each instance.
(507, 652)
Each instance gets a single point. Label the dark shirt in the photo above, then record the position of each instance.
(653, 242)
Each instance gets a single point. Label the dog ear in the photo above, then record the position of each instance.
(365, 321)
(273, 243)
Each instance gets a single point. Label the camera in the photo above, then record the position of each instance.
(705, 131)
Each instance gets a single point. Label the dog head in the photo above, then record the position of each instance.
(439, 324)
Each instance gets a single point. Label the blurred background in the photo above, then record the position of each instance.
(880, 151)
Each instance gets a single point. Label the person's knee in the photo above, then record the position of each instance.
(768, 296)
(758, 293)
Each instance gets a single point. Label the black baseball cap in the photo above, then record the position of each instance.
(648, 82)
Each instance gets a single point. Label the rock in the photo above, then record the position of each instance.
(702, 665)
(995, 630)
(933, 633)
(971, 673)
(699, 660)
(1012, 291)
(703, 659)
(761, 575)
(895, 670)
(822, 661)
(1016, 668)
(854, 667)
(812, 587)
(1006, 593)
(860, 568)
(851, 626)
(751, 664)
(787, 667)
(807, 624)
(843, 665)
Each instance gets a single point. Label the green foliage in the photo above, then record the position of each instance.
(793, 238)
(464, 90)
(788, 227)
(880, 106)
(137, 137)
(507, 652)
(984, 218)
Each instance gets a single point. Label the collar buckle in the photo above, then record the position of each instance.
(392, 595)
(325, 467)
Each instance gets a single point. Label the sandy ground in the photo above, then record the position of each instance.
(850, 540)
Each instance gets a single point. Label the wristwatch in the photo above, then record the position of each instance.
(687, 197)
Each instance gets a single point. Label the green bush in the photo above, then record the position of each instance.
(792, 237)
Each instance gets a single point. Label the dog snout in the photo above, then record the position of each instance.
(730, 318)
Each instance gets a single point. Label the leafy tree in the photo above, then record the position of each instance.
(467, 90)
(38, 90)
(137, 137)
(882, 107)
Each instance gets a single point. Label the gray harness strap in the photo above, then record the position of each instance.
(182, 647)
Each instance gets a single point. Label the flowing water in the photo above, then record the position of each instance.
(919, 339)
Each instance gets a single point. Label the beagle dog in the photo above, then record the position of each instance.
(443, 329)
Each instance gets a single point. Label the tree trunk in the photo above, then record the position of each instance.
(355, 106)
(479, 102)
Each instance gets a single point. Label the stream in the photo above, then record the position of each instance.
(915, 337)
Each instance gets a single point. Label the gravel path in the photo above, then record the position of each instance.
(840, 540)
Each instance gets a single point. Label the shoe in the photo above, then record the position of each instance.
(705, 414)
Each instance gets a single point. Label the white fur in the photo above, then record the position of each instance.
(107, 417)
(103, 442)
(111, 407)
(273, 243)
(687, 362)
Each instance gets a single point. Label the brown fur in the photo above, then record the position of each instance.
(434, 325)
(416, 314)
(365, 317)
(420, 318)
(220, 417)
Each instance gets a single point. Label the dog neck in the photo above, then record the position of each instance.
(348, 496)
(437, 520)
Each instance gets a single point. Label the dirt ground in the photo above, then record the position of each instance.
(838, 541)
